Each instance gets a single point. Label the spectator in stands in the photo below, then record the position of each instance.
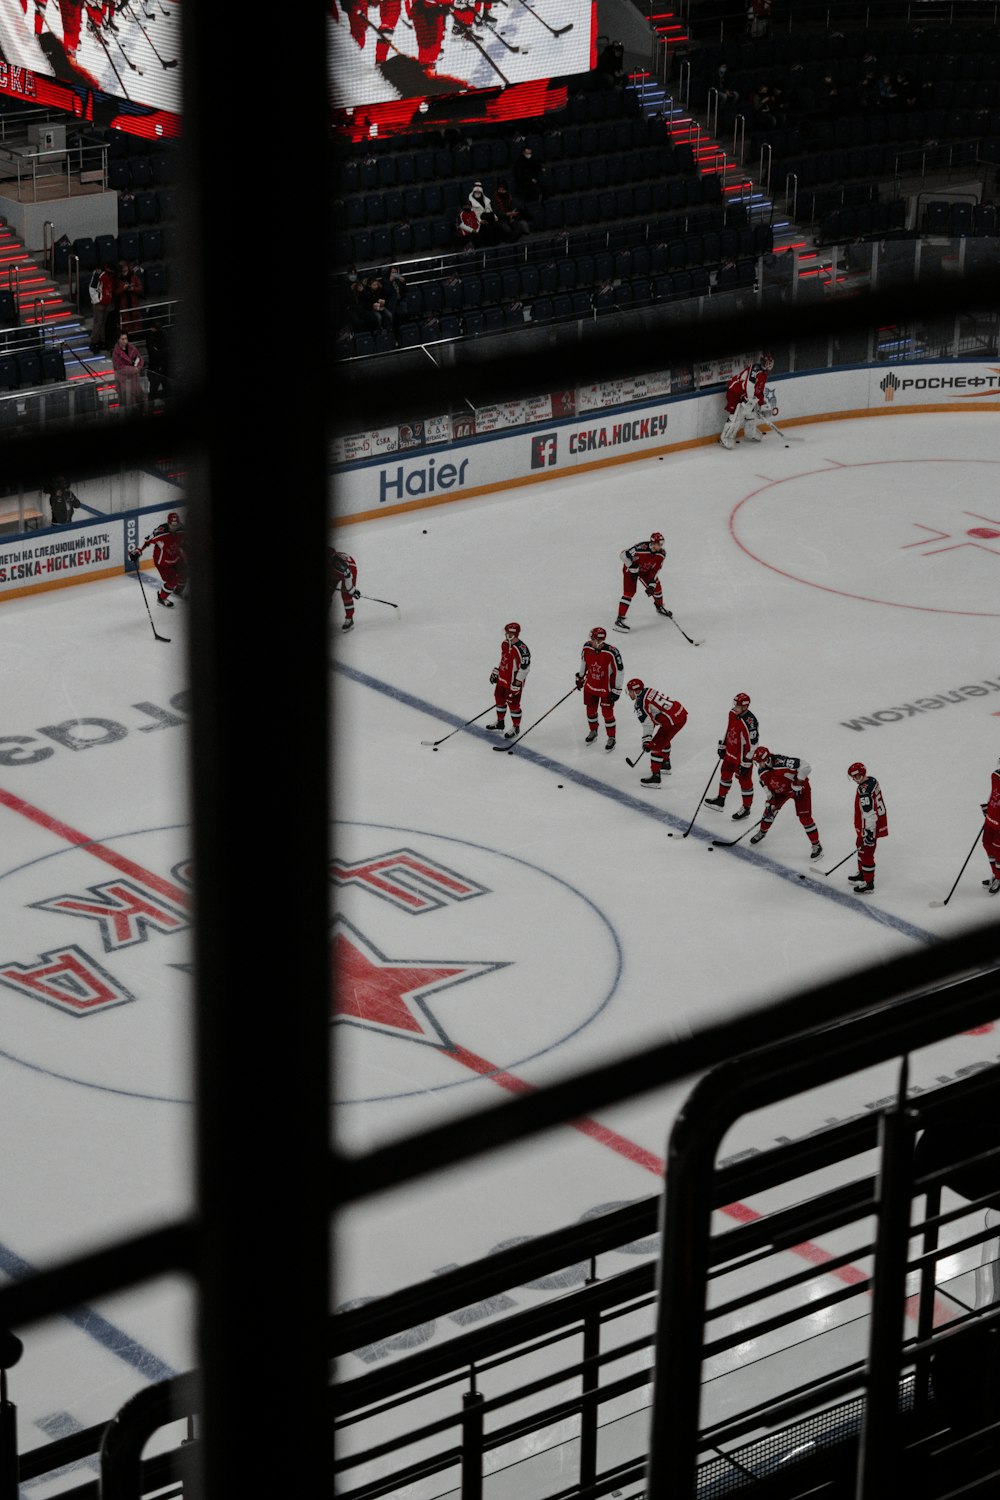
(759, 19)
(887, 96)
(158, 360)
(62, 502)
(360, 318)
(763, 110)
(611, 63)
(510, 224)
(483, 209)
(829, 105)
(129, 285)
(128, 363)
(100, 333)
(906, 89)
(529, 177)
(466, 227)
(373, 297)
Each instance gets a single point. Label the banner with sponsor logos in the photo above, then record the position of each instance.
(42, 560)
(480, 459)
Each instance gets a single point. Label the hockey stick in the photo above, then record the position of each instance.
(730, 843)
(133, 65)
(372, 600)
(962, 870)
(555, 30)
(468, 37)
(163, 62)
(786, 437)
(701, 799)
(510, 748)
(686, 636)
(96, 31)
(434, 743)
(638, 757)
(156, 634)
(495, 31)
(838, 864)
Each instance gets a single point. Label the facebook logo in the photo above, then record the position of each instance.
(544, 450)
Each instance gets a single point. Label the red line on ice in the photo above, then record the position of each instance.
(120, 862)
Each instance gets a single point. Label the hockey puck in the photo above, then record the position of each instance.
(710, 848)
(423, 533)
(434, 748)
(786, 445)
(802, 877)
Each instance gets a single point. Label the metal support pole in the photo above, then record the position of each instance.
(588, 1414)
(9, 1465)
(472, 1444)
(879, 1447)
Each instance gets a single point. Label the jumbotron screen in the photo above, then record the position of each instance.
(116, 62)
(403, 64)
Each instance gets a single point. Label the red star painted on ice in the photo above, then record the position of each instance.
(390, 995)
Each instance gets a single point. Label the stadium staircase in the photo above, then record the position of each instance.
(35, 303)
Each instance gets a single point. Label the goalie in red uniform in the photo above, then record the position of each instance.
(508, 679)
(599, 679)
(169, 544)
(641, 563)
(660, 718)
(785, 778)
(736, 753)
(870, 824)
(748, 398)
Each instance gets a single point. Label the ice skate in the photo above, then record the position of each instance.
(591, 737)
(621, 624)
(165, 600)
(667, 614)
(347, 625)
(512, 733)
(815, 851)
(755, 838)
(653, 780)
(609, 743)
(744, 812)
(717, 802)
(864, 887)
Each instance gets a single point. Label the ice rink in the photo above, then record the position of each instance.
(499, 919)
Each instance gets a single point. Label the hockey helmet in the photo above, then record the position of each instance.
(762, 756)
(598, 633)
(634, 686)
(741, 701)
(174, 521)
(858, 771)
(767, 360)
(512, 628)
(657, 537)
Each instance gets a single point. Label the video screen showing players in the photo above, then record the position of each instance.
(113, 61)
(386, 52)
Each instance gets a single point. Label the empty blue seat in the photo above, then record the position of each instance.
(140, 172)
(85, 251)
(29, 367)
(9, 377)
(147, 208)
(150, 244)
(156, 279)
(364, 342)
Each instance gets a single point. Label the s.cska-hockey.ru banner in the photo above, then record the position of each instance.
(116, 65)
(398, 65)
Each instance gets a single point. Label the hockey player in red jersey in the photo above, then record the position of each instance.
(736, 753)
(342, 577)
(508, 679)
(870, 824)
(660, 718)
(748, 398)
(599, 678)
(991, 831)
(169, 544)
(641, 563)
(785, 778)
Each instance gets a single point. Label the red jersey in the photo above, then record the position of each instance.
(992, 807)
(785, 774)
(748, 385)
(643, 561)
(740, 738)
(342, 570)
(659, 709)
(168, 546)
(600, 667)
(869, 809)
(515, 660)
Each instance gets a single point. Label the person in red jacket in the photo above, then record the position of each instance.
(508, 679)
(991, 831)
(660, 718)
(785, 778)
(342, 576)
(736, 753)
(169, 544)
(599, 679)
(870, 825)
(748, 398)
(642, 563)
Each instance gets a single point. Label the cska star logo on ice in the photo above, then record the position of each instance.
(470, 951)
(393, 994)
